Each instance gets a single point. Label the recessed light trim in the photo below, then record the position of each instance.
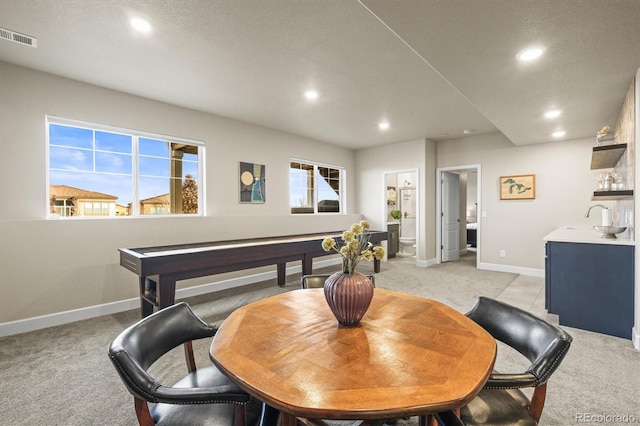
(467, 131)
(384, 125)
(530, 53)
(311, 95)
(552, 113)
(141, 25)
(558, 133)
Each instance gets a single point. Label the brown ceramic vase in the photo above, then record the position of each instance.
(348, 296)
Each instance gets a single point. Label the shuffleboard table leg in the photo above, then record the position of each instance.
(307, 265)
(282, 272)
(166, 292)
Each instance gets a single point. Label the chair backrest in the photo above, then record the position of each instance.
(143, 343)
(313, 281)
(544, 344)
(317, 281)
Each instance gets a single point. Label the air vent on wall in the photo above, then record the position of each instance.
(18, 38)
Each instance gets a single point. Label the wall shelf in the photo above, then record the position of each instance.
(606, 157)
(612, 195)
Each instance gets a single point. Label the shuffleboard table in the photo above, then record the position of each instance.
(158, 268)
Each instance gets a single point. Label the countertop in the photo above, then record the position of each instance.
(584, 235)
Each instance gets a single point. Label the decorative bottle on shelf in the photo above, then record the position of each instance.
(606, 182)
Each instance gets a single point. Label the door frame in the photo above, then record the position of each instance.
(438, 210)
(419, 213)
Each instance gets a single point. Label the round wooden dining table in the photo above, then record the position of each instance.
(408, 356)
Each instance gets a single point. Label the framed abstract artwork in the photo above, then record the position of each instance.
(252, 183)
(518, 187)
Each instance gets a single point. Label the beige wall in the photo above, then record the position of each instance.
(371, 165)
(564, 185)
(51, 266)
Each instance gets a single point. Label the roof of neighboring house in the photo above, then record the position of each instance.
(66, 192)
(164, 199)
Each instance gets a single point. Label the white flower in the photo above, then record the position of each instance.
(355, 246)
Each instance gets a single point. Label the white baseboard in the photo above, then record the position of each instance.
(59, 318)
(427, 263)
(512, 269)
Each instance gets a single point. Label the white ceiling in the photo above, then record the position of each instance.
(432, 68)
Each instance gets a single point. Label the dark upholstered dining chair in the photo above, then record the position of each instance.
(501, 402)
(317, 280)
(203, 397)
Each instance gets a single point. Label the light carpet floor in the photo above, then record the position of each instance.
(62, 375)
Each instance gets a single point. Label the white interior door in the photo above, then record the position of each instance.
(450, 216)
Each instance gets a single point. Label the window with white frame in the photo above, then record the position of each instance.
(316, 188)
(96, 170)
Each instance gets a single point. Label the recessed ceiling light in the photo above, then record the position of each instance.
(530, 53)
(384, 125)
(141, 25)
(558, 133)
(552, 113)
(311, 95)
(467, 131)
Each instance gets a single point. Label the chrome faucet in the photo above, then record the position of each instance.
(595, 205)
(606, 215)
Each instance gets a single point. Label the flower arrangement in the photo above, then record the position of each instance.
(355, 247)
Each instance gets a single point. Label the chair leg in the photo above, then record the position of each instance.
(537, 401)
(188, 354)
(142, 412)
(427, 420)
(240, 415)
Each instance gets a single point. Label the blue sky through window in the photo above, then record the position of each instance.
(103, 161)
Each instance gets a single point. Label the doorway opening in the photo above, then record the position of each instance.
(458, 207)
(402, 213)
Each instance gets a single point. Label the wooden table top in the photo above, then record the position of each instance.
(408, 356)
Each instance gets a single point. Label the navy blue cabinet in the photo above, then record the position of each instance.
(590, 286)
(393, 244)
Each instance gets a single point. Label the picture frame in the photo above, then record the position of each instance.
(252, 181)
(391, 195)
(518, 187)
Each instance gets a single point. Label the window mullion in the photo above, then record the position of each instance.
(135, 167)
(315, 188)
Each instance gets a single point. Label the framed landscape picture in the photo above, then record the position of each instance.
(518, 187)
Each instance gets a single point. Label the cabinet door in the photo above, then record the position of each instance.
(591, 286)
(394, 240)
